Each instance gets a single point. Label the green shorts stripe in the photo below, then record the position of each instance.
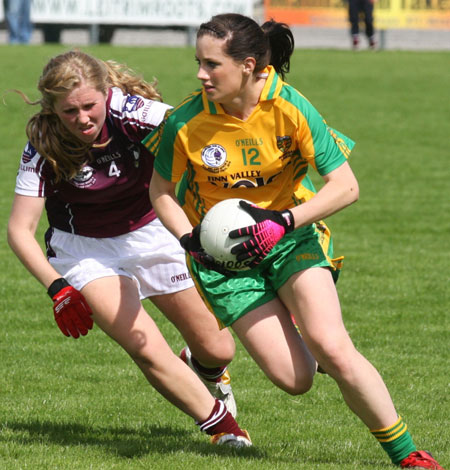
(229, 298)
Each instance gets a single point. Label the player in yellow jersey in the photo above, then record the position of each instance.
(249, 135)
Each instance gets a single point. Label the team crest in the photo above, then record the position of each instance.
(84, 178)
(28, 154)
(214, 157)
(136, 151)
(284, 143)
(132, 104)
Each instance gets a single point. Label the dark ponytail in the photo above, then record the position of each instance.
(282, 45)
(272, 43)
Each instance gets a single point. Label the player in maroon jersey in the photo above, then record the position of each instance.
(106, 250)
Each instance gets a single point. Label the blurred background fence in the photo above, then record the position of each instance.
(400, 24)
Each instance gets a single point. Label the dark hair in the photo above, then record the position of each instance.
(272, 43)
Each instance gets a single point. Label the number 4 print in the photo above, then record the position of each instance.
(113, 170)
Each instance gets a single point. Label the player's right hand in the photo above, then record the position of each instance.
(72, 312)
(191, 243)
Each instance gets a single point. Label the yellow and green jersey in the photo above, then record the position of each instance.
(263, 159)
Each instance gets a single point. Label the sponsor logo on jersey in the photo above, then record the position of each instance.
(108, 157)
(132, 104)
(214, 157)
(249, 142)
(146, 110)
(28, 153)
(84, 178)
(27, 169)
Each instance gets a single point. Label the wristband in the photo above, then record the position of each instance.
(56, 286)
(289, 218)
(184, 241)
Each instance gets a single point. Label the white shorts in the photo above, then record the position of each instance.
(151, 256)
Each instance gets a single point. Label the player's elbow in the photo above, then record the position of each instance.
(10, 234)
(353, 192)
(350, 188)
(13, 238)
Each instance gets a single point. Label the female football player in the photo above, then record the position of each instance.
(106, 250)
(247, 134)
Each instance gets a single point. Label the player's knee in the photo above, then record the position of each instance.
(297, 385)
(299, 388)
(338, 361)
(212, 356)
(142, 359)
(137, 347)
(214, 353)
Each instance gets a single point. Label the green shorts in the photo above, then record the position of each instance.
(229, 298)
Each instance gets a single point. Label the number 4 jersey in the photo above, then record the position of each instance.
(263, 159)
(109, 195)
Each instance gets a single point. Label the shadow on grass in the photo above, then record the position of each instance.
(121, 441)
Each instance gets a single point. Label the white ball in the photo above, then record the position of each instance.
(220, 220)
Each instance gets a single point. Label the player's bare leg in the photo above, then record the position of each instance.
(312, 298)
(209, 349)
(118, 311)
(209, 344)
(272, 340)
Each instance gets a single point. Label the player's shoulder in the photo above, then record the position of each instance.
(135, 109)
(297, 106)
(121, 103)
(33, 172)
(190, 107)
(294, 97)
(30, 156)
(117, 99)
(175, 119)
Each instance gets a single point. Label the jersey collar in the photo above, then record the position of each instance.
(270, 91)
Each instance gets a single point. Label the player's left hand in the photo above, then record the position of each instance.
(191, 243)
(270, 228)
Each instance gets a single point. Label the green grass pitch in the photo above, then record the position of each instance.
(80, 405)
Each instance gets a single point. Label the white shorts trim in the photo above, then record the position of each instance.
(151, 256)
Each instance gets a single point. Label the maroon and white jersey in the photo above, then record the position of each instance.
(109, 196)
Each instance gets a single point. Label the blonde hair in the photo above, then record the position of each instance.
(61, 75)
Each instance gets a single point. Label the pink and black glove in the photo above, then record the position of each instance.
(270, 228)
(191, 243)
(72, 312)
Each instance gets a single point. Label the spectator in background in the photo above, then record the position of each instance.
(355, 9)
(18, 18)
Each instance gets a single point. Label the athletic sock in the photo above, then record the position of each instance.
(220, 421)
(212, 374)
(395, 440)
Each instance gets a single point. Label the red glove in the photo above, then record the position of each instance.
(72, 312)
